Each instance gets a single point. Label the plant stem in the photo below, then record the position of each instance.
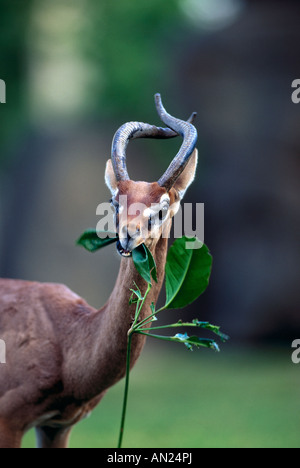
(169, 326)
(200, 325)
(158, 337)
(140, 306)
(147, 319)
(153, 315)
(126, 390)
(204, 342)
(181, 325)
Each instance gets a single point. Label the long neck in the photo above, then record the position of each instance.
(119, 314)
(105, 363)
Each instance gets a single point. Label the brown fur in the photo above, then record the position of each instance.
(62, 354)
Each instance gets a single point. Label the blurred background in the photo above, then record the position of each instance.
(76, 71)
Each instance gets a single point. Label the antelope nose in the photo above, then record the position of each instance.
(127, 235)
(133, 230)
(125, 241)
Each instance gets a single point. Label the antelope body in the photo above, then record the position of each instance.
(62, 355)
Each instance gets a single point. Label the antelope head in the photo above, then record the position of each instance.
(142, 210)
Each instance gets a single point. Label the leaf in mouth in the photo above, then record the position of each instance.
(93, 240)
(144, 263)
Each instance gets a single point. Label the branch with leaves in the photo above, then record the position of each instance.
(187, 275)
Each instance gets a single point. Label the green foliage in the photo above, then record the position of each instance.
(136, 296)
(190, 341)
(184, 338)
(144, 263)
(125, 40)
(195, 323)
(92, 240)
(14, 21)
(143, 260)
(123, 47)
(187, 276)
(187, 273)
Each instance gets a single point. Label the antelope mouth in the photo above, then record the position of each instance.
(123, 252)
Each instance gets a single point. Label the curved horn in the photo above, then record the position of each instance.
(130, 131)
(189, 134)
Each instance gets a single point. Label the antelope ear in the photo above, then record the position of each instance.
(110, 178)
(188, 175)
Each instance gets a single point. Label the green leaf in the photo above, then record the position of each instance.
(194, 323)
(187, 273)
(190, 341)
(144, 263)
(141, 262)
(135, 297)
(152, 264)
(213, 328)
(93, 240)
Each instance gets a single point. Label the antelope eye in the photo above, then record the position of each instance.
(150, 222)
(115, 205)
(162, 213)
(159, 216)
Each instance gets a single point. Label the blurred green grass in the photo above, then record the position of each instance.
(238, 398)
